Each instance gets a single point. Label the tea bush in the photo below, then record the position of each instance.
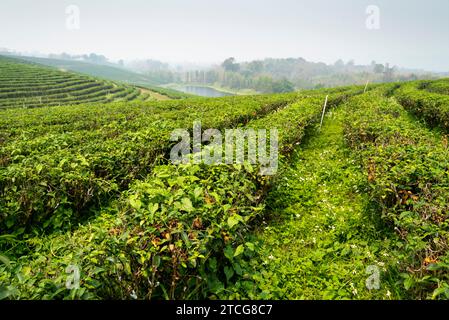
(407, 169)
(176, 234)
(61, 164)
(430, 106)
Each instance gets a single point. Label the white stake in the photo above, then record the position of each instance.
(366, 87)
(324, 111)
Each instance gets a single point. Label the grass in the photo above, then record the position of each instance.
(322, 236)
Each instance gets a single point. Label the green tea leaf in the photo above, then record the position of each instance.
(239, 250)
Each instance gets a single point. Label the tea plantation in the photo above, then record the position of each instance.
(357, 210)
(29, 85)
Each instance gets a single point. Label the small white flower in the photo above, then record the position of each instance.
(354, 290)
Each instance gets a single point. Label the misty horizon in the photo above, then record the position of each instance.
(409, 34)
(193, 65)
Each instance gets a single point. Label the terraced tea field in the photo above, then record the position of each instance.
(29, 85)
(89, 187)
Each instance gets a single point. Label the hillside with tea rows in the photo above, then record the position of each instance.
(86, 182)
(30, 85)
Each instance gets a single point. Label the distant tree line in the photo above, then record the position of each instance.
(265, 76)
(283, 75)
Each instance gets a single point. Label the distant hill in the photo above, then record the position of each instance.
(96, 70)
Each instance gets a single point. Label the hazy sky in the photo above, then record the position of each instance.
(413, 33)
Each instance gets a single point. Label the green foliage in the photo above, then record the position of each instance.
(165, 228)
(318, 236)
(407, 168)
(440, 86)
(62, 164)
(230, 65)
(155, 242)
(432, 107)
(283, 86)
(176, 234)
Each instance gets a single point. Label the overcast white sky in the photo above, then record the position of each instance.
(413, 33)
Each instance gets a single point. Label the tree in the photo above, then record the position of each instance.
(350, 63)
(388, 73)
(283, 86)
(378, 68)
(339, 63)
(255, 67)
(230, 65)
(97, 58)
